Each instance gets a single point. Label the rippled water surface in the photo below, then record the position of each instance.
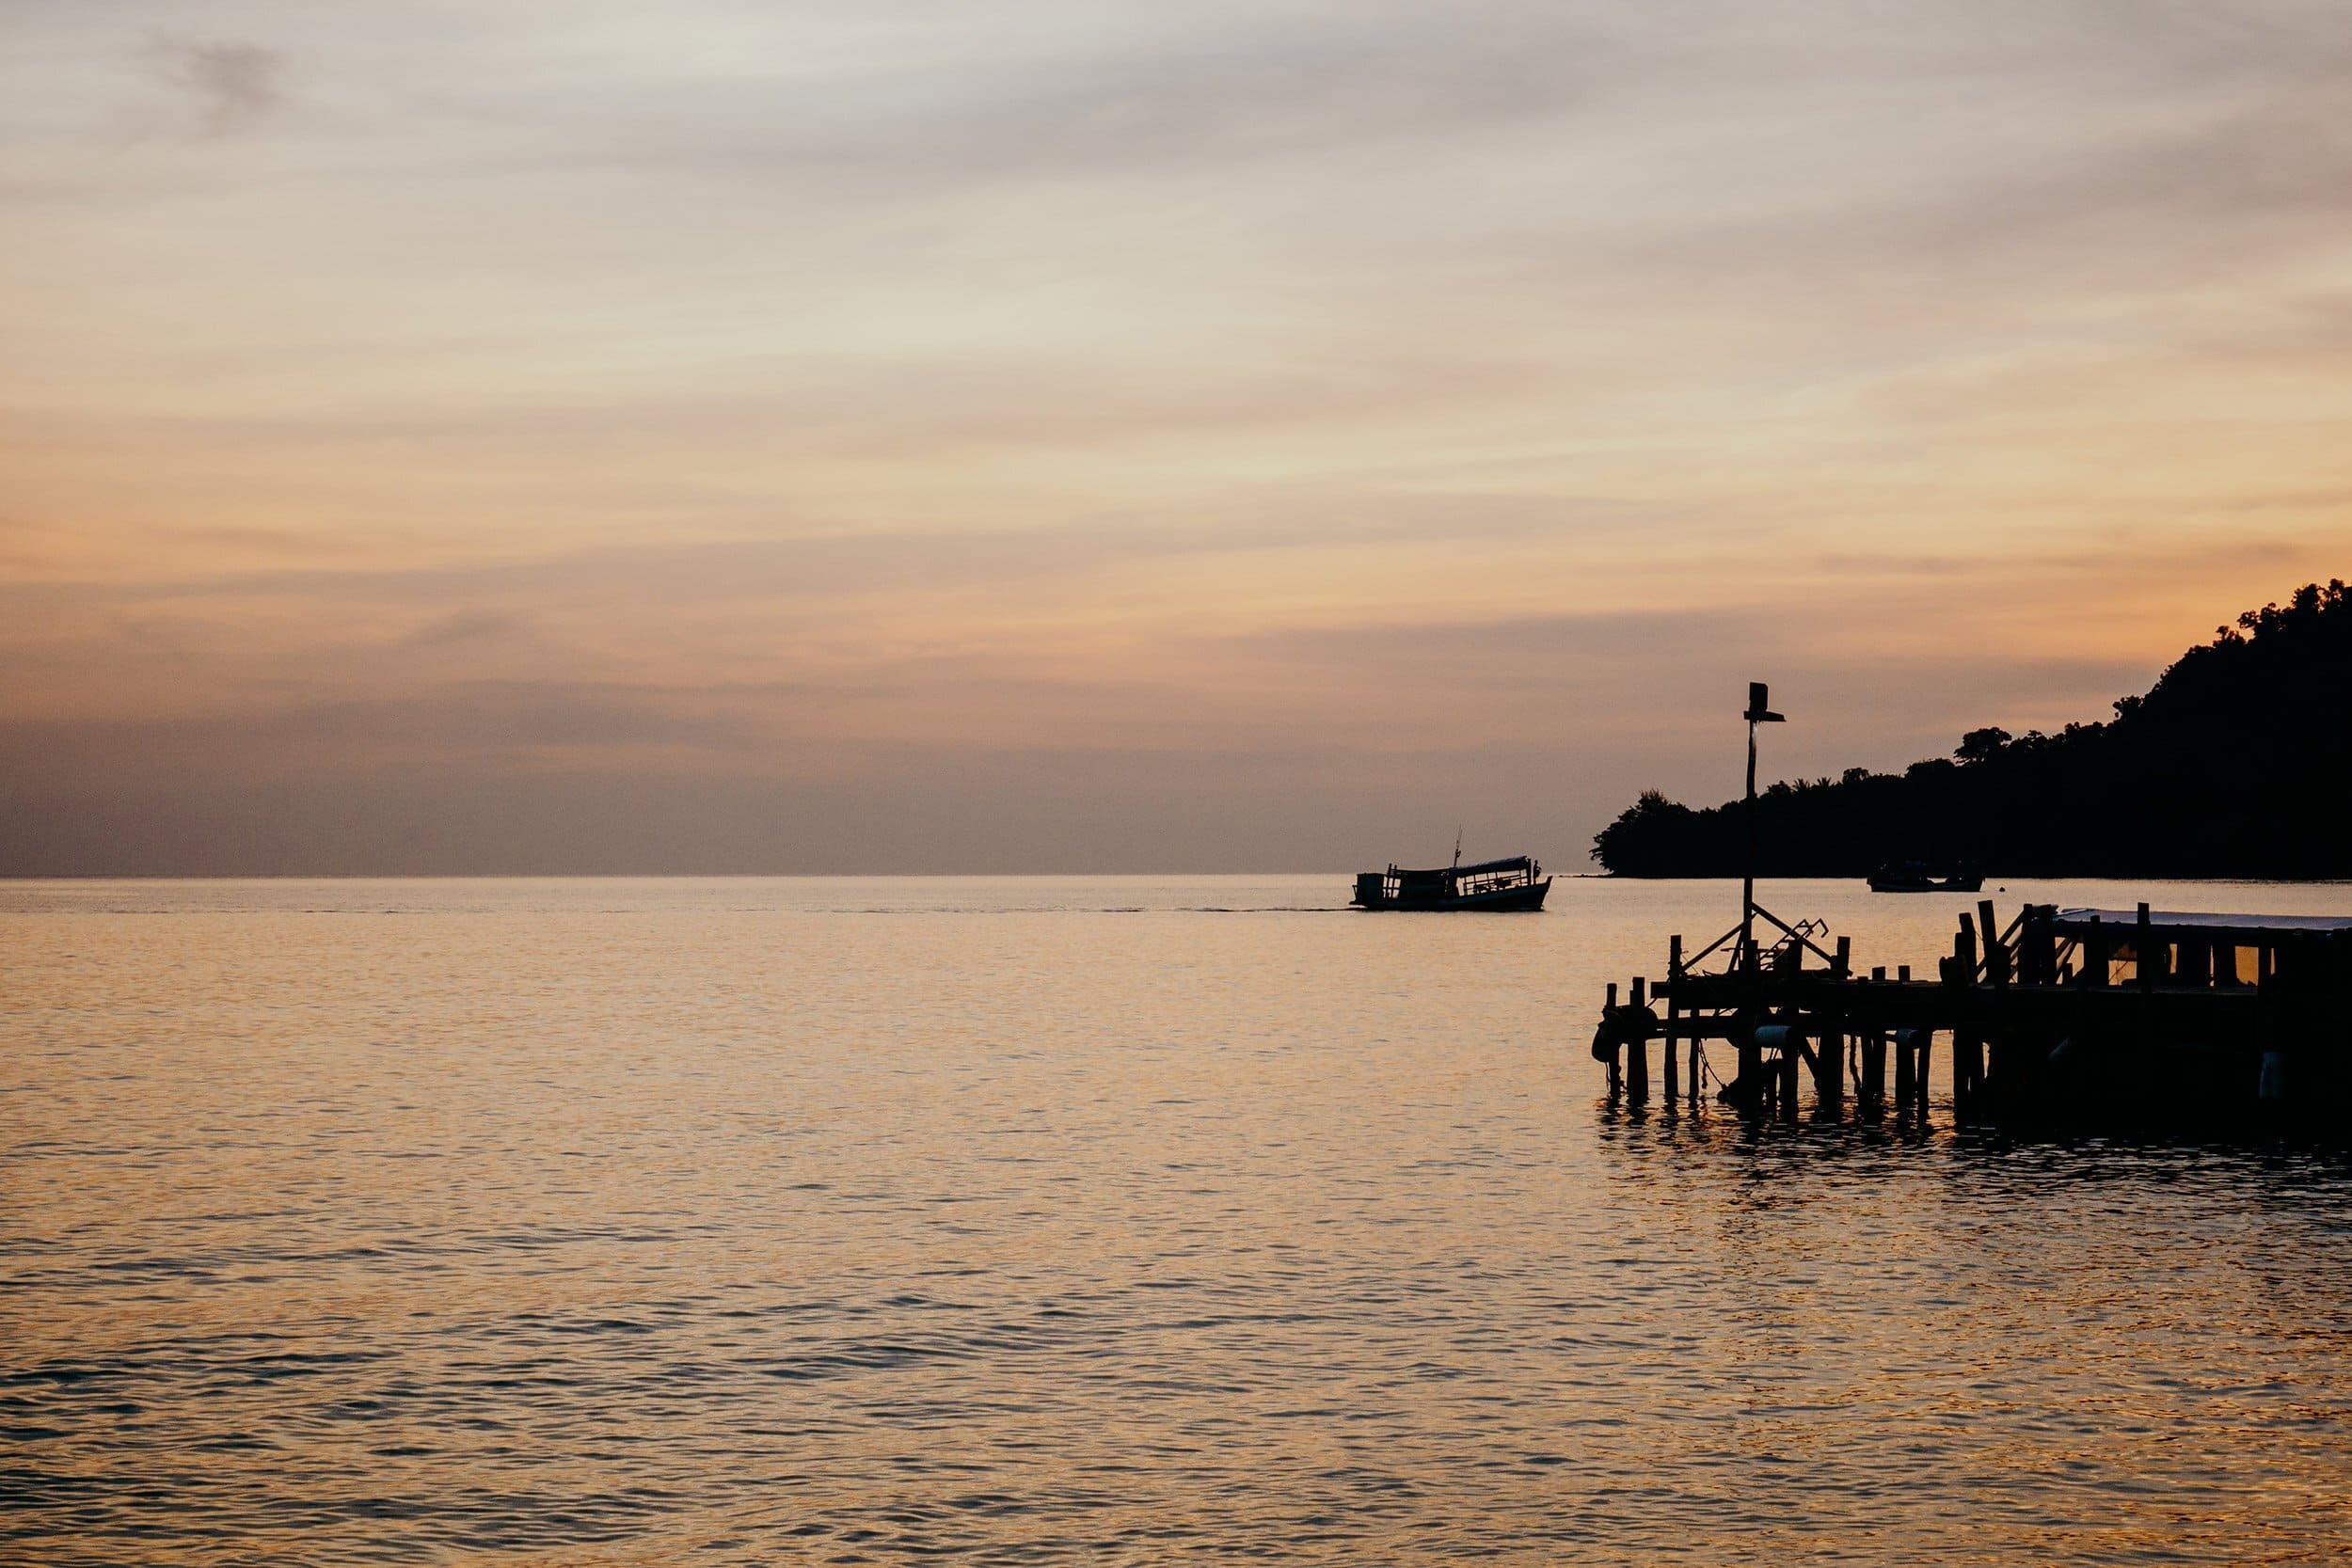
(1078, 1221)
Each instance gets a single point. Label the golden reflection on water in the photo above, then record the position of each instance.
(834, 1221)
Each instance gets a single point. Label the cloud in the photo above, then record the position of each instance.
(232, 86)
(1114, 406)
(464, 625)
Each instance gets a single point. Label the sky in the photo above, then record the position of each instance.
(981, 437)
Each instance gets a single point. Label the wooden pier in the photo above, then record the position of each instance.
(2065, 1015)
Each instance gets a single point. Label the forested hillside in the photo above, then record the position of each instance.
(2236, 763)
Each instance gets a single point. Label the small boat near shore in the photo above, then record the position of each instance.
(1919, 876)
(1515, 884)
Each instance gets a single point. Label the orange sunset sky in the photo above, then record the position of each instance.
(730, 436)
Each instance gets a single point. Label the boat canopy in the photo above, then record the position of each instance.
(2248, 928)
(1517, 863)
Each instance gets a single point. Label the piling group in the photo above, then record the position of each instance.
(2073, 1015)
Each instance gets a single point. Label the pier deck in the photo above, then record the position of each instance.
(2071, 1015)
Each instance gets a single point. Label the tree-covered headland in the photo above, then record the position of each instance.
(2236, 763)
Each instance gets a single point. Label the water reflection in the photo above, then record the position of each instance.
(634, 1223)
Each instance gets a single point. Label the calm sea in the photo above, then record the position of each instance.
(1079, 1221)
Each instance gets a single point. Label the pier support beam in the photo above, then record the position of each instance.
(1637, 1053)
(2031, 1036)
(1674, 987)
(1617, 1071)
(1829, 1067)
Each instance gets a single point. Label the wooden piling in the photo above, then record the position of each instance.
(2005, 1000)
(2038, 946)
(1673, 989)
(1616, 1082)
(1637, 1053)
(1750, 1070)
(1997, 956)
(1967, 1069)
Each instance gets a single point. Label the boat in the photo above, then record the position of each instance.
(1919, 876)
(1516, 883)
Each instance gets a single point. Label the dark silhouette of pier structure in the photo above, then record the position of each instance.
(2066, 1015)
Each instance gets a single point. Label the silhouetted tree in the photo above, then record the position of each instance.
(2235, 763)
(1982, 745)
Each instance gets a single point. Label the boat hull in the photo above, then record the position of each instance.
(1948, 884)
(1524, 899)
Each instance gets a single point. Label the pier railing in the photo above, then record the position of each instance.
(2055, 1010)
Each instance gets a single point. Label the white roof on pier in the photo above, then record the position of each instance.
(2196, 920)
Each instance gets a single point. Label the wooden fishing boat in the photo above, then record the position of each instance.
(1515, 884)
(1918, 876)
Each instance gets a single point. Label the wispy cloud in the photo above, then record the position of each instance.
(229, 86)
(1086, 401)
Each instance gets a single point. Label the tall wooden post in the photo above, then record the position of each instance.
(1760, 712)
(1747, 862)
(1637, 1053)
(1961, 973)
(1873, 1047)
(1615, 1080)
(1751, 1062)
(2038, 946)
(1674, 992)
(2004, 1071)
(1906, 1071)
